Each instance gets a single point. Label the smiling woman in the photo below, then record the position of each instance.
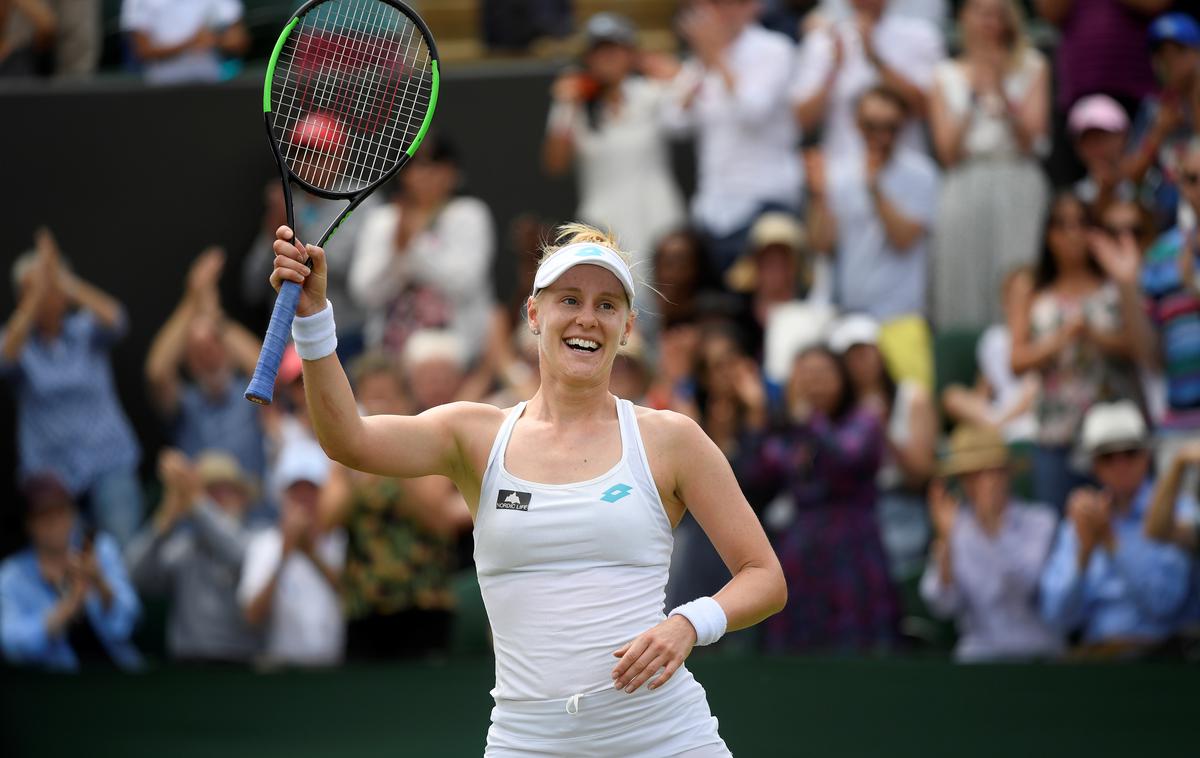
(574, 494)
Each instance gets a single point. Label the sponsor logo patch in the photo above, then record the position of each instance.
(616, 492)
(512, 500)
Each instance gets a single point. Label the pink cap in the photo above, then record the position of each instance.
(1097, 112)
(290, 366)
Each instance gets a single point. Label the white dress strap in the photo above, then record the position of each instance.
(500, 444)
(634, 453)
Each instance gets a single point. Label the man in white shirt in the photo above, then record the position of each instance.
(849, 56)
(290, 574)
(181, 41)
(734, 95)
(875, 212)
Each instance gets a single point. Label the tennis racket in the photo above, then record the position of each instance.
(349, 93)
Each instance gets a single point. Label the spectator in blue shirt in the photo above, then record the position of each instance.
(54, 350)
(1105, 577)
(207, 409)
(65, 601)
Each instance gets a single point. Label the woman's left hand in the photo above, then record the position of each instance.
(665, 648)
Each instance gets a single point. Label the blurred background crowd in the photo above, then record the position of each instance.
(934, 294)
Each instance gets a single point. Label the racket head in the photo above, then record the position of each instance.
(349, 94)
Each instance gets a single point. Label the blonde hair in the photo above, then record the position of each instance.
(1019, 39)
(578, 232)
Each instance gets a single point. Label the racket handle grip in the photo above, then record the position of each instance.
(262, 385)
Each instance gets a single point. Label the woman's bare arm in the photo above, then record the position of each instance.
(398, 446)
(705, 483)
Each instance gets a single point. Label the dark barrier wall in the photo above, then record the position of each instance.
(136, 181)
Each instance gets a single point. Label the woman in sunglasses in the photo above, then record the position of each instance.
(1077, 327)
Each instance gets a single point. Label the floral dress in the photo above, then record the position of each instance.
(1080, 374)
(393, 564)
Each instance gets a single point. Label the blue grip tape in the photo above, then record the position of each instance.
(262, 386)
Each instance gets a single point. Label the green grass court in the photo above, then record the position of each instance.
(767, 707)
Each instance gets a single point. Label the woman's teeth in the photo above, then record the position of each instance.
(581, 344)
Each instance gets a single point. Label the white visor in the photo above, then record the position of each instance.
(580, 253)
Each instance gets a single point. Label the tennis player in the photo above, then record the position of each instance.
(574, 495)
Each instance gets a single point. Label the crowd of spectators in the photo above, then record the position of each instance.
(861, 197)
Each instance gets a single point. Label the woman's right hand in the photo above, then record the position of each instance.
(290, 266)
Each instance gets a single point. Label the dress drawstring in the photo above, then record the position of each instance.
(573, 703)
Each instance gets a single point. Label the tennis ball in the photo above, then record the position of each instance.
(319, 131)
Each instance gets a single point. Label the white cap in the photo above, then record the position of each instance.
(301, 460)
(1109, 427)
(855, 329)
(580, 253)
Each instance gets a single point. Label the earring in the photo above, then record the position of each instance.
(536, 331)
(624, 341)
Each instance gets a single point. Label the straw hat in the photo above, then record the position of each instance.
(771, 228)
(219, 467)
(973, 448)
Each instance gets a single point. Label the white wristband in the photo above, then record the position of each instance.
(562, 117)
(316, 335)
(706, 616)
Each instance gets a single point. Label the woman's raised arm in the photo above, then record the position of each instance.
(397, 446)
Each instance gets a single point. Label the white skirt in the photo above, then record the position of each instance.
(673, 721)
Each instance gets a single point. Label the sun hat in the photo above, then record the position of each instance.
(973, 448)
(1113, 427)
(219, 467)
(771, 228)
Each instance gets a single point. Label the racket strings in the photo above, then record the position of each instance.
(350, 91)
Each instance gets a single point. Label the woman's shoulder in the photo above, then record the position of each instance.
(1026, 67)
(666, 427)
(1031, 61)
(662, 418)
(471, 414)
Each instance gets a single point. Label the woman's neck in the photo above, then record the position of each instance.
(1075, 277)
(557, 401)
(984, 51)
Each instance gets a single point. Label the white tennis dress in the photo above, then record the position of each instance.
(570, 573)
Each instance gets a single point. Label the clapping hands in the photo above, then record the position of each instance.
(943, 509)
(1090, 511)
(1120, 257)
(181, 489)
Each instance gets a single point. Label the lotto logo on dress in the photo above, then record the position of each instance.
(616, 492)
